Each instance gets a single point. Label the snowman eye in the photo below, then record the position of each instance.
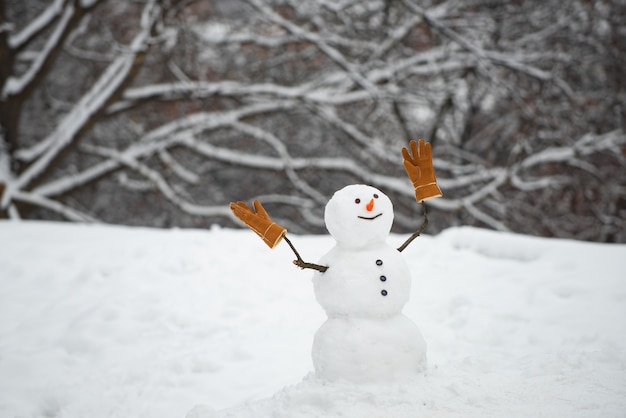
(375, 196)
(357, 201)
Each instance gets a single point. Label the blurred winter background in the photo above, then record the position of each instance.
(158, 113)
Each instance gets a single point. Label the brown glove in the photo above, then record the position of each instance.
(420, 169)
(259, 221)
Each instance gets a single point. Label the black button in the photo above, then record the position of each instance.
(379, 262)
(383, 278)
(383, 292)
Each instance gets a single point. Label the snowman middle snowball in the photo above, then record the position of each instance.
(366, 277)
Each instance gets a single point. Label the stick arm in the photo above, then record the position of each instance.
(301, 263)
(418, 232)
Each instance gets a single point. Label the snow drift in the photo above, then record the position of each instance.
(105, 321)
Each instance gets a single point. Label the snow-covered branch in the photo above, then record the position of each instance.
(153, 142)
(161, 184)
(177, 102)
(515, 62)
(19, 40)
(181, 171)
(67, 212)
(282, 151)
(92, 102)
(586, 145)
(16, 84)
(327, 49)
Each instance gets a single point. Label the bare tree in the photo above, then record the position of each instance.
(161, 112)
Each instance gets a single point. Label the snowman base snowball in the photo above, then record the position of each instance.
(368, 350)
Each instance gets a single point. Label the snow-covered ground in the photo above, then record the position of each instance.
(105, 321)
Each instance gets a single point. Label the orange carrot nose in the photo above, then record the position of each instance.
(370, 205)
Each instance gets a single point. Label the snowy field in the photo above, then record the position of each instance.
(105, 321)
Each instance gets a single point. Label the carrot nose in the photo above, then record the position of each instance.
(370, 205)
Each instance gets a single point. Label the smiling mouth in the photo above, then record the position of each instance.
(372, 218)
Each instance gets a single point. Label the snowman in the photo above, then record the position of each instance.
(363, 282)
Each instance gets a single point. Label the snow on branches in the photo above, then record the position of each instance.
(178, 107)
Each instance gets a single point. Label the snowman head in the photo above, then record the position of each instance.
(358, 216)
